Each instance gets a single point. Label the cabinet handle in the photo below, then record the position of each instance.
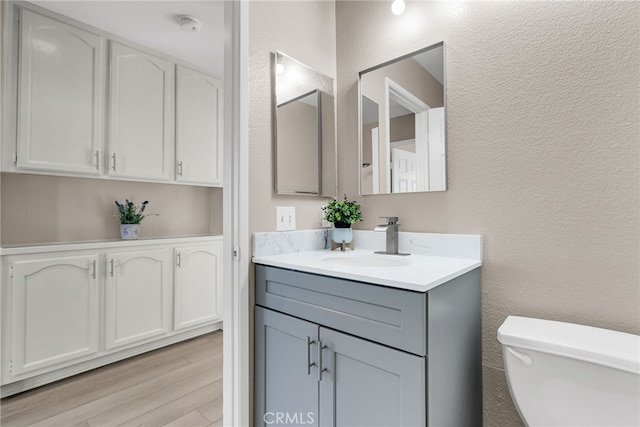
(98, 159)
(320, 368)
(179, 168)
(309, 362)
(113, 161)
(111, 269)
(93, 268)
(179, 260)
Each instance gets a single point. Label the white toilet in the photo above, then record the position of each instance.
(561, 374)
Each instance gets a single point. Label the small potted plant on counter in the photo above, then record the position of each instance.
(130, 218)
(342, 213)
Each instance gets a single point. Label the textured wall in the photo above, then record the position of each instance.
(42, 209)
(304, 30)
(543, 154)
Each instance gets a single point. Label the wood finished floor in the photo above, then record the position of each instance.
(178, 386)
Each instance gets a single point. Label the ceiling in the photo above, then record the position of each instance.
(155, 24)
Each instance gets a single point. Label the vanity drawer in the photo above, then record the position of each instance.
(394, 317)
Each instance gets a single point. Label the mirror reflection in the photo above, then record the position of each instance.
(402, 124)
(305, 143)
(299, 131)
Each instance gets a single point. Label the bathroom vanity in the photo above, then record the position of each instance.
(356, 338)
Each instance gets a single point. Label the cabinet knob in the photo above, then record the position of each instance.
(179, 168)
(113, 161)
(97, 159)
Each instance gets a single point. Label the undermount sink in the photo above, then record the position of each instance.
(383, 261)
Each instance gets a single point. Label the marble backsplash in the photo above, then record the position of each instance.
(285, 242)
(447, 245)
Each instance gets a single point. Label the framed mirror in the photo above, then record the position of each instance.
(305, 135)
(402, 124)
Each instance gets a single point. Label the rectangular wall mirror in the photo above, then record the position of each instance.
(402, 129)
(305, 140)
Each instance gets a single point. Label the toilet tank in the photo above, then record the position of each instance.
(562, 374)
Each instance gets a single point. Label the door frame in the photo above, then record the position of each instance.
(395, 91)
(236, 387)
(235, 198)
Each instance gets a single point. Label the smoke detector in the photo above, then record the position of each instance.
(189, 24)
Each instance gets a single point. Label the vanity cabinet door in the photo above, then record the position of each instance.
(198, 285)
(286, 375)
(198, 128)
(138, 297)
(60, 103)
(54, 311)
(368, 384)
(141, 128)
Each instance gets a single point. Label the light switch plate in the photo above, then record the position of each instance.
(285, 218)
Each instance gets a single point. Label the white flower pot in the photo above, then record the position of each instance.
(342, 235)
(129, 231)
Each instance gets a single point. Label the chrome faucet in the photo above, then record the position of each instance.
(391, 228)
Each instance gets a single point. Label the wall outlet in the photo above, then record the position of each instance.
(285, 218)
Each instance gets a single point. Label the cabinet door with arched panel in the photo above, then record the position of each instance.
(198, 127)
(198, 285)
(137, 297)
(54, 314)
(60, 102)
(141, 109)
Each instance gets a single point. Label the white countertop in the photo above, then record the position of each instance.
(423, 272)
(20, 249)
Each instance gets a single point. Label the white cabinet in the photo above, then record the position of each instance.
(90, 106)
(54, 311)
(137, 297)
(60, 102)
(68, 308)
(141, 108)
(198, 127)
(198, 285)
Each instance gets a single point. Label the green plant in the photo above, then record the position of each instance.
(129, 213)
(343, 212)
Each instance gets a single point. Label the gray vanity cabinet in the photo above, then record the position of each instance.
(368, 384)
(362, 383)
(289, 384)
(334, 352)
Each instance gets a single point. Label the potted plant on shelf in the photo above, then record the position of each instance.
(342, 213)
(130, 218)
